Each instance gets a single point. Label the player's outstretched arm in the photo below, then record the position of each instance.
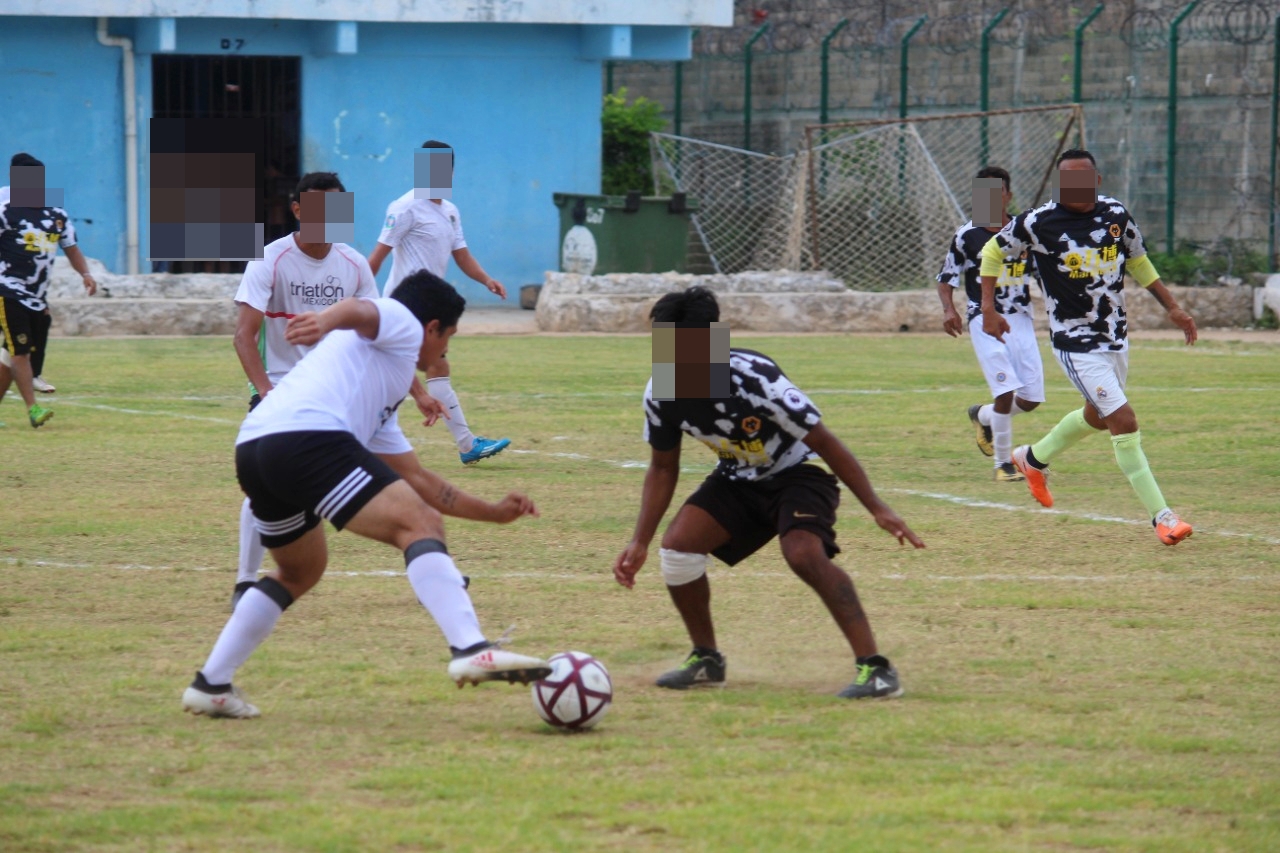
(843, 464)
(377, 256)
(444, 497)
(1143, 270)
(359, 315)
(659, 485)
(469, 265)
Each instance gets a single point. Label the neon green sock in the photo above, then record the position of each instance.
(1069, 430)
(1133, 462)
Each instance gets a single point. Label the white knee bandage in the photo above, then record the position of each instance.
(679, 568)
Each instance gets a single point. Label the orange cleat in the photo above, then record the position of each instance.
(1037, 478)
(1170, 528)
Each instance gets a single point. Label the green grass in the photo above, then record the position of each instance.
(1071, 683)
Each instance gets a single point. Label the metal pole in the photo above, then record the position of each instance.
(608, 78)
(1171, 191)
(1275, 112)
(825, 81)
(679, 106)
(746, 87)
(1078, 83)
(902, 65)
(986, 62)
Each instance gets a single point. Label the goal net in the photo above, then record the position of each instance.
(873, 202)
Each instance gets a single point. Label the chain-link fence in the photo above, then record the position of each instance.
(873, 202)
(1220, 182)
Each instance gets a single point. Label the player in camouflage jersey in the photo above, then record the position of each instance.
(1012, 367)
(765, 433)
(1082, 246)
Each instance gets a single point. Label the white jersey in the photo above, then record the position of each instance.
(423, 234)
(347, 384)
(288, 281)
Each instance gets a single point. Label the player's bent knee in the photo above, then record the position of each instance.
(680, 568)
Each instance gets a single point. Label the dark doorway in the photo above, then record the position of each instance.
(263, 87)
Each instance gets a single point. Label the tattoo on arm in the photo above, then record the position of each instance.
(448, 496)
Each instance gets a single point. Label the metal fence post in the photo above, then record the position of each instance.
(679, 105)
(608, 78)
(825, 79)
(1275, 113)
(1077, 85)
(902, 65)
(985, 67)
(1171, 192)
(746, 86)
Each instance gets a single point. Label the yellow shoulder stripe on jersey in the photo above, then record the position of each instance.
(1143, 270)
(992, 258)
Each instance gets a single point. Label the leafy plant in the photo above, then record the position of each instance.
(626, 128)
(1195, 264)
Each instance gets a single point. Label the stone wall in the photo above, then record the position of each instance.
(815, 302)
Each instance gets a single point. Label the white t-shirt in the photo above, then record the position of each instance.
(288, 281)
(424, 235)
(347, 384)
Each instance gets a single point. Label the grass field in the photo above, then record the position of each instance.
(1071, 683)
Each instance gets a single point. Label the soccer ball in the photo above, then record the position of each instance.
(576, 694)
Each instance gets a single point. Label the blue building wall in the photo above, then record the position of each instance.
(518, 102)
(63, 106)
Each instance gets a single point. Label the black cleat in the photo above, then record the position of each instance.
(703, 668)
(877, 679)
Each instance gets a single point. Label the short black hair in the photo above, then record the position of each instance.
(996, 172)
(323, 181)
(22, 158)
(430, 297)
(1076, 154)
(436, 143)
(695, 305)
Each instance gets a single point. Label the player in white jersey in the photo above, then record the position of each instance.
(425, 233)
(325, 445)
(292, 278)
(1011, 367)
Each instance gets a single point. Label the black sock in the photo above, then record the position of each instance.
(203, 685)
(1034, 462)
(874, 660)
(703, 651)
(470, 650)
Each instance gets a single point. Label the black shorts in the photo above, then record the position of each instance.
(804, 497)
(18, 325)
(293, 479)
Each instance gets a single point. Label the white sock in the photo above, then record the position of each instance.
(439, 586)
(251, 548)
(984, 414)
(1002, 437)
(457, 422)
(252, 622)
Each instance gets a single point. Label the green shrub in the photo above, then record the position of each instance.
(626, 128)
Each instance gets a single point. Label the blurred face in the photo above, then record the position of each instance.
(309, 211)
(990, 201)
(435, 343)
(1078, 183)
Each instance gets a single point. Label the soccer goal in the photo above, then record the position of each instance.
(873, 202)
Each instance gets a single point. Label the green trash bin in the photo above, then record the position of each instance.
(612, 233)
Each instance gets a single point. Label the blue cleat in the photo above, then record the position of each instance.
(483, 448)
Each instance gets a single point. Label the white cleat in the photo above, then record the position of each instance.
(495, 664)
(39, 385)
(232, 704)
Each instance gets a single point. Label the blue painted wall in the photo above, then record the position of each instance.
(517, 102)
(62, 104)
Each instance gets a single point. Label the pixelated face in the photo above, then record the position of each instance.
(1076, 185)
(990, 200)
(690, 361)
(433, 173)
(325, 216)
(435, 343)
(27, 189)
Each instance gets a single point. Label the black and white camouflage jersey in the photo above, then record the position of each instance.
(1080, 258)
(29, 238)
(964, 262)
(757, 431)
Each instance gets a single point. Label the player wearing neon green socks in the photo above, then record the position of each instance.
(1081, 244)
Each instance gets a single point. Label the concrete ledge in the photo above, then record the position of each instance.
(143, 317)
(808, 302)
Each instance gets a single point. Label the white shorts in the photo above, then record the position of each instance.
(1099, 376)
(1013, 365)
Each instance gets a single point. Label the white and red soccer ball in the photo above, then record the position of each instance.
(576, 694)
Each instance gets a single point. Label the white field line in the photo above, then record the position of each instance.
(639, 465)
(605, 575)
